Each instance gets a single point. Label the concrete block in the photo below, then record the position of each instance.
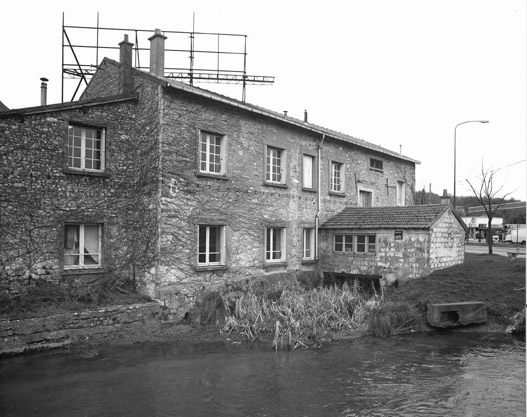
(456, 314)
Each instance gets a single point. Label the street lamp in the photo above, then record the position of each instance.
(455, 131)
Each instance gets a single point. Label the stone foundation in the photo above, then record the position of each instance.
(24, 335)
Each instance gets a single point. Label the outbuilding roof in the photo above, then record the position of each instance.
(400, 217)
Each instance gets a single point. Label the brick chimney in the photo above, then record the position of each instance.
(157, 53)
(126, 82)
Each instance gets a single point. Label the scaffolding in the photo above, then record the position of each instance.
(222, 59)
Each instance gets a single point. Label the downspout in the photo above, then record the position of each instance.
(319, 186)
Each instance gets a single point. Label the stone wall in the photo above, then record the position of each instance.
(23, 335)
(406, 258)
(447, 243)
(40, 194)
(242, 200)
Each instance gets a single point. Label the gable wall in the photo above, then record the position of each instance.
(447, 243)
(40, 196)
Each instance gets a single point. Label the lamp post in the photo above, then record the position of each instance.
(455, 132)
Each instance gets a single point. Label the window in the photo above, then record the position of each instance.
(376, 164)
(401, 191)
(274, 165)
(309, 244)
(82, 246)
(211, 245)
(343, 243)
(336, 178)
(211, 151)
(365, 198)
(308, 163)
(275, 244)
(86, 148)
(354, 243)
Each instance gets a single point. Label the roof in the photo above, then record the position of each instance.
(286, 119)
(3, 107)
(400, 217)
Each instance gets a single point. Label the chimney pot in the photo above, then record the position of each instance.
(43, 91)
(305, 116)
(157, 53)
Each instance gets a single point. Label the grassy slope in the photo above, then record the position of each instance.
(493, 279)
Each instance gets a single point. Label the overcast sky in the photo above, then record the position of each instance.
(398, 73)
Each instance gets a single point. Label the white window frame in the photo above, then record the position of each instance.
(270, 233)
(81, 241)
(308, 170)
(350, 243)
(272, 155)
(401, 193)
(207, 252)
(70, 148)
(308, 244)
(336, 182)
(206, 156)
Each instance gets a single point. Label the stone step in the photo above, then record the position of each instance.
(456, 314)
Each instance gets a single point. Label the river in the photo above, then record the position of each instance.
(428, 374)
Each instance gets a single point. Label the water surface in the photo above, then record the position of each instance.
(431, 374)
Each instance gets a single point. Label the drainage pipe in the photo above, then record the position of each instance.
(319, 187)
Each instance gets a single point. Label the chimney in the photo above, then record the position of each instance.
(157, 53)
(126, 83)
(445, 199)
(44, 91)
(305, 116)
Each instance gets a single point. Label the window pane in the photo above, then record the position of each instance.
(371, 243)
(348, 243)
(307, 165)
(339, 243)
(361, 243)
(277, 244)
(91, 245)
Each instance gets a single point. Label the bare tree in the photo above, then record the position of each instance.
(487, 195)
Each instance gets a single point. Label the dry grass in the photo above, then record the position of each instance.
(298, 316)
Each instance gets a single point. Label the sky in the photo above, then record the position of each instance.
(401, 74)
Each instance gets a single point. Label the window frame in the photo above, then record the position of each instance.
(341, 177)
(305, 185)
(360, 192)
(69, 147)
(401, 193)
(311, 250)
(269, 244)
(222, 153)
(376, 164)
(222, 246)
(355, 241)
(81, 240)
(268, 167)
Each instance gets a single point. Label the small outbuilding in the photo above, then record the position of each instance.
(401, 242)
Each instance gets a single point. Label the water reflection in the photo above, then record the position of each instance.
(439, 374)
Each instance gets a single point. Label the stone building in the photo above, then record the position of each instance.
(175, 187)
(406, 242)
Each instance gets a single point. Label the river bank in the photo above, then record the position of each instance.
(497, 281)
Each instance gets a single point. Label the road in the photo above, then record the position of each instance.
(496, 249)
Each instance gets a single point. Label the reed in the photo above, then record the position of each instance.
(299, 317)
(393, 318)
